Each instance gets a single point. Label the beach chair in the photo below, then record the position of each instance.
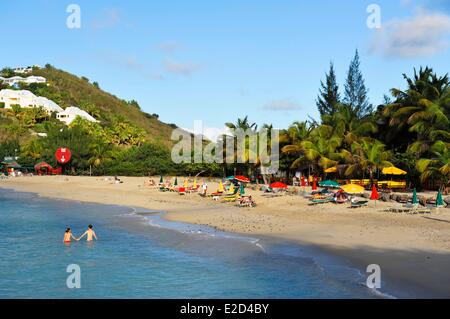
(358, 204)
(182, 191)
(231, 198)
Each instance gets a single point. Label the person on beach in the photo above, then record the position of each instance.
(68, 236)
(90, 233)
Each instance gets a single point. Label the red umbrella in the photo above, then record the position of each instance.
(242, 179)
(278, 185)
(303, 183)
(374, 195)
(314, 186)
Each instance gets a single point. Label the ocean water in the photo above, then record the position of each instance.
(140, 255)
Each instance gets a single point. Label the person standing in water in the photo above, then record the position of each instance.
(90, 233)
(68, 236)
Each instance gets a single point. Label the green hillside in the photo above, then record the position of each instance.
(69, 90)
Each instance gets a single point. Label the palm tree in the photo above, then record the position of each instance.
(423, 109)
(367, 155)
(438, 167)
(100, 153)
(320, 149)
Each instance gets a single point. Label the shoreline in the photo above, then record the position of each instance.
(413, 251)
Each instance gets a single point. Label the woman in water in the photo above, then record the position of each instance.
(68, 236)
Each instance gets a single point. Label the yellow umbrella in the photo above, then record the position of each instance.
(331, 170)
(352, 189)
(185, 184)
(393, 171)
(231, 190)
(195, 183)
(220, 187)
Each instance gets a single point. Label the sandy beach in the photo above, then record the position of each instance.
(412, 249)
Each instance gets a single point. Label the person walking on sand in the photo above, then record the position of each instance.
(68, 236)
(90, 233)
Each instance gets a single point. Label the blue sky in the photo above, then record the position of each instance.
(219, 60)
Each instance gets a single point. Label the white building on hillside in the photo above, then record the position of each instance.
(71, 113)
(23, 70)
(27, 99)
(18, 79)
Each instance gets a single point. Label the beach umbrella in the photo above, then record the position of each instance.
(185, 183)
(278, 185)
(374, 195)
(329, 183)
(161, 180)
(415, 200)
(231, 189)
(331, 170)
(314, 186)
(439, 200)
(303, 182)
(242, 189)
(242, 179)
(176, 182)
(220, 187)
(352, 189)
(393, 171)
(230, 178)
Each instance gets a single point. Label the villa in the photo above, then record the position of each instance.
(27, 99)
(24, 70)
(18, 79)
(71, 113)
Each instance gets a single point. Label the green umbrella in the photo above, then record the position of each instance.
(161, 180)
(242, 189)
(230, 178)
(415, 200)
(176, 182)
(439, 200)
(329, 183)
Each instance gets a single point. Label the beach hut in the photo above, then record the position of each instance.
(43, 168)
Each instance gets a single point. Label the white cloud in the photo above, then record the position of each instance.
(170, 46)
(281, 105)
(130, 63)
(107, 19)
(425, 34)
(185, 69)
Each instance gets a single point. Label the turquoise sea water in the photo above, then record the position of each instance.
(142, 256)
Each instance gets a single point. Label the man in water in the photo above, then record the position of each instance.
(90, 233)
(68, 236)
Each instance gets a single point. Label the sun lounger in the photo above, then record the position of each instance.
(358, 204)
(231, 198)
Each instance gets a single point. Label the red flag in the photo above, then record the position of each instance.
(374, 195)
